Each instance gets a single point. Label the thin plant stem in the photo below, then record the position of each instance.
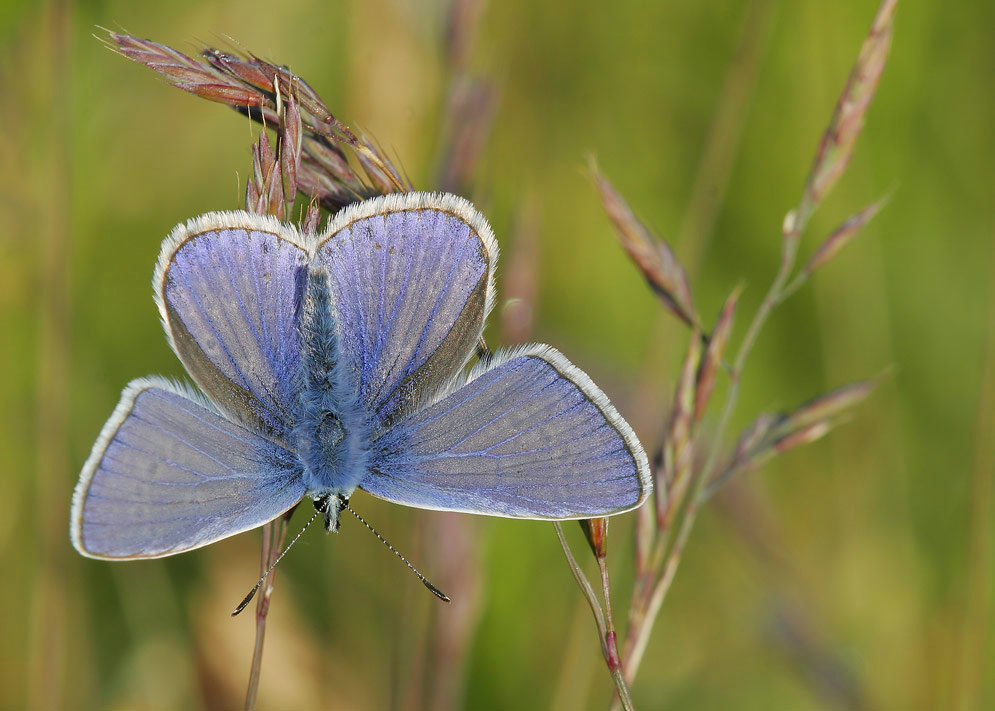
(606, 628)
(639, 638)
(261, 612)
(717, 482)
(274, 535)
(671, 545)
(614, 660)
(582, 582)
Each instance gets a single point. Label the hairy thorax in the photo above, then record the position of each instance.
(332, 434)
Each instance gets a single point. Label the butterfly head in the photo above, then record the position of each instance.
(330, 506)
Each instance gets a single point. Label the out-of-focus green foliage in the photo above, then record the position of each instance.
(856, 570)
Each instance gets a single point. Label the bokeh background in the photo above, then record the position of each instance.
(855, 573)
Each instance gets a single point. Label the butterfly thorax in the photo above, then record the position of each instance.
(332, 434)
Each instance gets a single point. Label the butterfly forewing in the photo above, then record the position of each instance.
(170, 473)
(529, 435)
(228, 285)
(412, 278)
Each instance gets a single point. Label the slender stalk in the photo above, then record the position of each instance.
(605, 624)
(671, 545)
(677, 512)
(274, 535)
(611, 639)
(718, 482)
(639, 636)
(582, 583)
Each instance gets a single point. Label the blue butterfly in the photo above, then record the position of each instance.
(338, 361)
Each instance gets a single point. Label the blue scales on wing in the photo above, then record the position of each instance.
(412, 280)
(527, 435)
(228, 287)
(170, 473)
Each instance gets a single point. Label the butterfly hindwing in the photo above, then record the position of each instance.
(170, 473)
(412, 277)
(528, 435)
(228, 286)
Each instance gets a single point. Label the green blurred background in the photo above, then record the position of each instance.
(855, 573)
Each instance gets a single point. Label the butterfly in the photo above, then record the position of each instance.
(335, 361)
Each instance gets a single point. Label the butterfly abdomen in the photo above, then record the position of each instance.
(332, 434)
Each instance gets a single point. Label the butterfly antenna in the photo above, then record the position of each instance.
(252, 593)
(425, 581)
